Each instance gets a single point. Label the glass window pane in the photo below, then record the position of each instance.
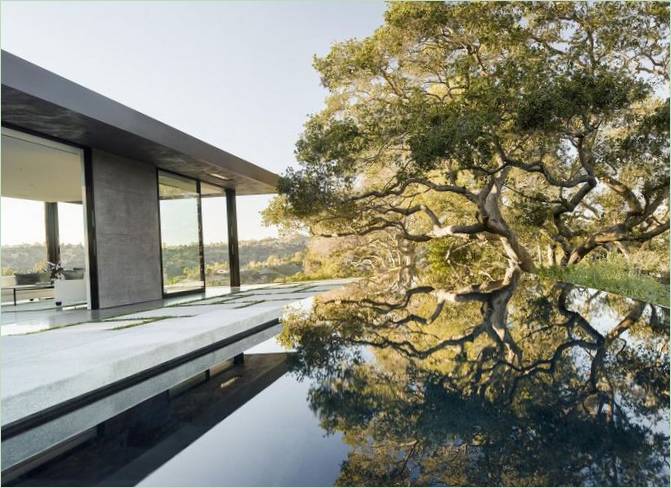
(71, 235)
(24, 246)
(180, 236)
(215, 235)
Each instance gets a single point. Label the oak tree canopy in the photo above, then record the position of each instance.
(512, 127)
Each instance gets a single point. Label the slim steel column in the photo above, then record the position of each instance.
(233, 255)
(51, 228)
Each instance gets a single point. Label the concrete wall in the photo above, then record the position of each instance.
(125, 197)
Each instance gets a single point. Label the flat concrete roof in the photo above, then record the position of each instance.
(41, 101)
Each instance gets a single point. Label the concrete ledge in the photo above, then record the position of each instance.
(21, 448)
(55, 376)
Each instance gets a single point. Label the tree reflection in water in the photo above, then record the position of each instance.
(518, 382)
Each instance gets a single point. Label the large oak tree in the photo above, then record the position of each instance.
(506, 126)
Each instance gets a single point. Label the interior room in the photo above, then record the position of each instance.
(44, 244)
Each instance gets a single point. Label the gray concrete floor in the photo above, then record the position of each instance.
(33, 317)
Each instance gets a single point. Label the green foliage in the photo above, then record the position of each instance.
(451, 130)
(615, 275)
(529, 124)
(275, 214)
(550, 104)
(329, 146)
(8, 271)
(261, 261)
(452, 261)
(27, 258)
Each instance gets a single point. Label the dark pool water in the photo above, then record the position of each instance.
(536, 384)
(285, 432)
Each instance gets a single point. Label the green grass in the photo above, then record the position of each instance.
(615, 276)
(143, 321)
(140, 321)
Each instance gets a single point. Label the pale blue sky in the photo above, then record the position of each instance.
(235, 74)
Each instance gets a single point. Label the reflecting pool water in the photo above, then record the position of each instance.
(518, 382)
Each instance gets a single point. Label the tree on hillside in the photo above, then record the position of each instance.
(538, 131)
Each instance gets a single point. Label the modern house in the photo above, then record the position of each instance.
(102, 335)
(138, 185)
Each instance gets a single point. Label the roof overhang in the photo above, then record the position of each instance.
(43, 102)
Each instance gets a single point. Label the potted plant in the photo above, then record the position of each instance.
(55, 271)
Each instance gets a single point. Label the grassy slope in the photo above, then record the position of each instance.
(612, 277)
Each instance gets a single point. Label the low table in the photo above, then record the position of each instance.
(18, 288)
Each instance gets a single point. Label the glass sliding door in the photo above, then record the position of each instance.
(181, 236)
(72, 236)
(215, 236)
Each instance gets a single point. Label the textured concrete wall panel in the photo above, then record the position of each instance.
(127, 230)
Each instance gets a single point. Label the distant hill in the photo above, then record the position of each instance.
(261, 261)
(24, 258)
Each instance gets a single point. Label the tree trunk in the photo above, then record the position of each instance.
(491, 214)
(517, 253)
(579, 253)
(552, 254)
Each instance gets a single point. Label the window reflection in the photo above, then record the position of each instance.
(180, 233)
(215, 235)
(24, 243)
(72, 235)
(43, 221)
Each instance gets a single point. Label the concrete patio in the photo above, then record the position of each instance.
(42, 315)
(60, 379)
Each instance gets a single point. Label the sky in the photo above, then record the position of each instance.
(235, 74)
